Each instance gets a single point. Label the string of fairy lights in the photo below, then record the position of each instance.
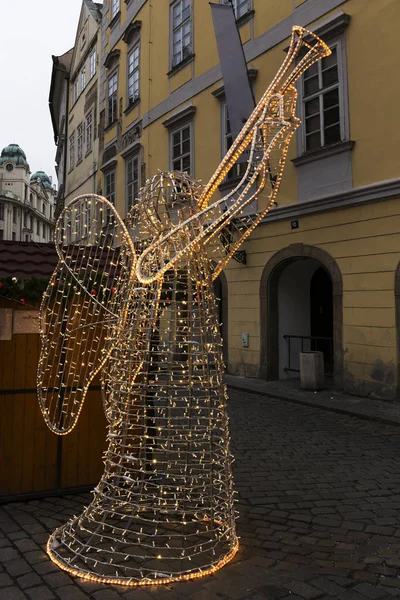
(136, 301)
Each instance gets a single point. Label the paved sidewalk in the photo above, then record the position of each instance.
(318, 502)
(382, 411)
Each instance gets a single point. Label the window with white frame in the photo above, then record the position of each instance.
(92, 64)
(181, 143)
(89, 131)
(83, 78)
(239, 168)
(110, 186)
(76, 89)
(132, 180)
(241, 7)
(71, 151)
(79, 142)
(133, 75)
(110, 195)
(321, 103)
(78, 222)
(112, 102)
(114, 7)
(181, 31)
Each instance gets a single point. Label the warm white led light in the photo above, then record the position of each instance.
(136, 300)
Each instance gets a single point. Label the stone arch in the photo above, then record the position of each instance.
(397, 309)
(269, 360)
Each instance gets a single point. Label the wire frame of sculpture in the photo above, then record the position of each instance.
(136, 300)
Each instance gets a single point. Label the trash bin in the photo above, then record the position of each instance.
(311, 370)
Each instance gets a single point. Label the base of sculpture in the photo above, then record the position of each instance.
(89, 555)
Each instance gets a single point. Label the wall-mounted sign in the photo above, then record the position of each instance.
(26, 321)
(245, 340)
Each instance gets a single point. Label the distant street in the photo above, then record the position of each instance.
(319, 498)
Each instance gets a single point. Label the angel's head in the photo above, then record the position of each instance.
(165, 200)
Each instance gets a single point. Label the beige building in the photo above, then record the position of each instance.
(58, 104)
(26, 200)
(74, 108)
(323, 269)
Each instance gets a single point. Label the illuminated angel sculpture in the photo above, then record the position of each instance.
(136, 300)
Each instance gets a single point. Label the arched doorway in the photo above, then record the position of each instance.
(301, 297)
(221, 294)
(397, 309)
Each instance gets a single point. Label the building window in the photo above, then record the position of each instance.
(114, 8)
(1, 211)
(76, 89)
(71, 151)
(322, 105)
(181, 31)
(44, 208)
(14, 217)
(89, 131)
(38, 227)
(110, 186)
(44, 230)
(227, 141)
(133, 75)
(92, 63)
(79, 142)
(14, 236)
(112, 98)
(241, 7)
(132, 180)
(31, 198)
(83, 79)
(181, 149)
(25, 219)
(1, 234)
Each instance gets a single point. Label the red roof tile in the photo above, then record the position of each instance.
(27, 259)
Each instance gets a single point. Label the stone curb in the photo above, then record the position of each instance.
(372, 410)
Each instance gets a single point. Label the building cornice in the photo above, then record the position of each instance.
(366, 194)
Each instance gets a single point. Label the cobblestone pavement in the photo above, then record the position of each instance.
(318, 497)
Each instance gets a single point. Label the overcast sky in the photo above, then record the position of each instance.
(31, 32)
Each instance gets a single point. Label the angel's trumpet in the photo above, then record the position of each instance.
(305, 48)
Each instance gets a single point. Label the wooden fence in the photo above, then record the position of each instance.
(33, 460)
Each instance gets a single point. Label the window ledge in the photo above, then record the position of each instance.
(114, 20)
(185, 114)
(230, 183)
(108, 166)
(245, 18)
(88, 152)
(219, 93)
(132, 106)
(320, 153)
(181, 65)
(78, 162)
(110, 125)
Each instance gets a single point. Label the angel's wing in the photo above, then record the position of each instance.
(83, 306)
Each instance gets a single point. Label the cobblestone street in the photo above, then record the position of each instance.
(318, 497)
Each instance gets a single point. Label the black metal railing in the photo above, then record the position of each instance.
(323, 344)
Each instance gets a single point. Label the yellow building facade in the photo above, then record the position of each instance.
(321, 271)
